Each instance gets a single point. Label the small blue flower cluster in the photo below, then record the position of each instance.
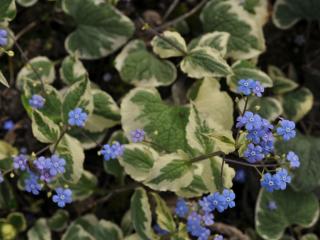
(50, 167)
(44, 169)
(77, 117)
(3, 37)
(137, 135)
(36, 101)
(277, 181)
(112, 151)
(260, 135)
(20, 162)
(197, 221)
(250, 86)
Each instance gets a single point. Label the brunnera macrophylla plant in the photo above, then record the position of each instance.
(235, 116)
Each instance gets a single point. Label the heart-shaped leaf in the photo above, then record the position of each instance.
(72, 70)
(293, 208)
(286, 13)
(7, 10)
(246, 36)
(101, 29)
(139, 67)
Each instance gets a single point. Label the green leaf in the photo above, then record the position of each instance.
(244, 70)
(43, 128)
(87, 139)
(17, 220)
(53, 99)
(218, 115)
(170, 172)
(281, 84)
(297, 104)
(216, 40)
(268, 107)
(309, 236)
(271, 224)
(3, 80)
(126, 223)
(71, 150)
(76, 232)
(164, 215)
(101, 29)
(77, 95)
(246, 36)
(166, 45)
(98, 230)
(27, 3)
(139, 67)
(205, 62)
(72, 70)
(37, 68)
(138, 160)
(39, 231)
(59, 220)
(6, 153)
(287, 13)
(307, 176)
(7, 10)
(84, 187)
(164, 124)
(141, 214)
(7, 198)
(106, 112)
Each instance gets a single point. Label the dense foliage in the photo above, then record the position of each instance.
(127, 120)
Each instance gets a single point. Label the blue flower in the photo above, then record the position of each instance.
(249, 86)
(20, 162)
(282, 174)
(137, 135)
(1, 177)
(42, 163)
(253, 153)
(62, 197)
(3, 37)
(8, 125)
(208, 219)
(244, 86)
(31, 184)
(36, 101)
(218, 237)
(293, 159)
(77, 117)
(272, 205)
(182, 208)
(240, 176)
(286, 129)
(112, 151)
(57, 165)
(257, 88)
(269, 182)
(249, 120)
(204, 234)
(194, 224)
(229, 195)
(217, 201)
(205, 205)
(255, 135)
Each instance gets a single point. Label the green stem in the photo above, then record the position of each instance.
(64, 131)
